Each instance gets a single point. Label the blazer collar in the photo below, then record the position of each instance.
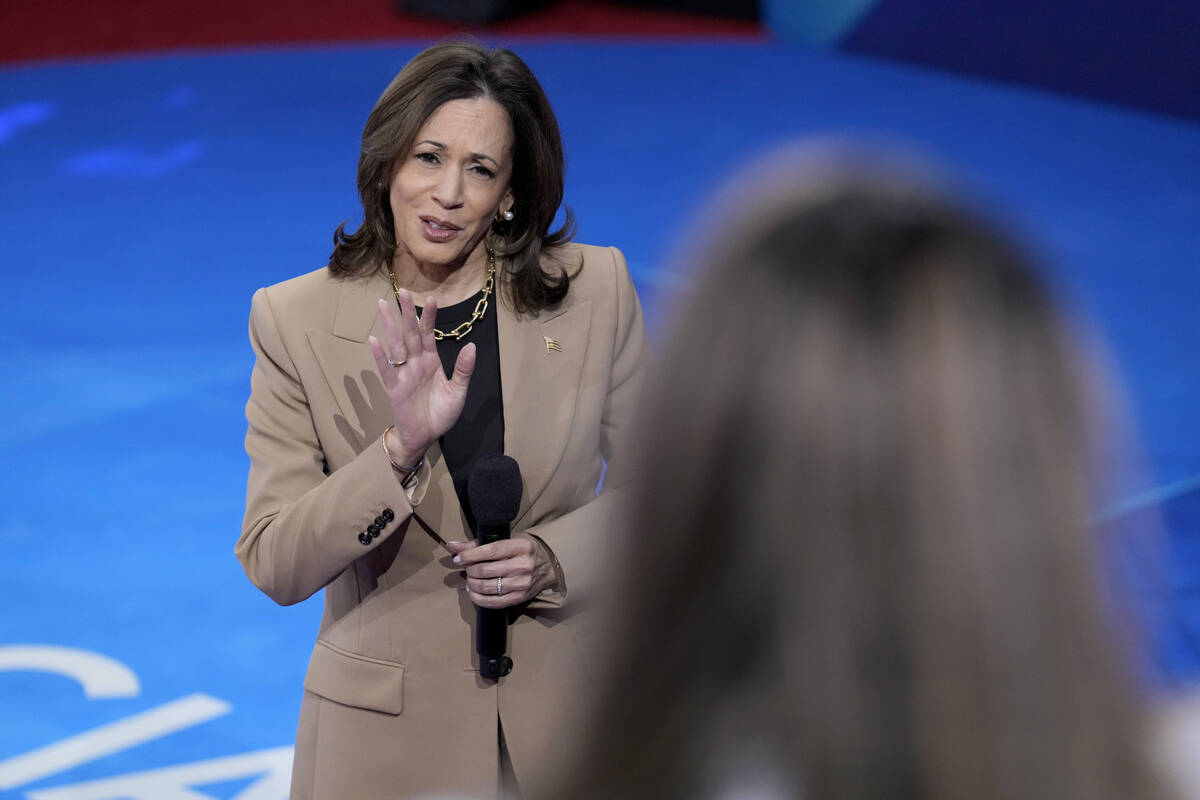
(357, 315)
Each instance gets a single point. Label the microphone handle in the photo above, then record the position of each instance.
(491, 624)
(491, 640)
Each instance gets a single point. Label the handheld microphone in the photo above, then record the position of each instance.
(494, 490)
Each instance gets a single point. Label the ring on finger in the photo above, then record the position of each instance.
(399, 363)
(499, 585)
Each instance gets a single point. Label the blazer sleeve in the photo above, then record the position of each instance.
(302, 527)
(579, 539)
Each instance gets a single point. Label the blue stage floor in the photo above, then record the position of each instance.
(144, 199)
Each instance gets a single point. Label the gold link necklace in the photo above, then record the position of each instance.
(480, 307)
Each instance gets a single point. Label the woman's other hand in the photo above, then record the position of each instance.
(425, 404)
(521, 568)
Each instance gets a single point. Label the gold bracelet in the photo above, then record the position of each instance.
(399, 467)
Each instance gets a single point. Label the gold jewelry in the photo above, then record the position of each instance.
(399, 363)
(406, 471)
(480, 307)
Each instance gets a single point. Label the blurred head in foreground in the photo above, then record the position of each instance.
(860, 565)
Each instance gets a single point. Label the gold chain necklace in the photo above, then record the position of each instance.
(480, 307)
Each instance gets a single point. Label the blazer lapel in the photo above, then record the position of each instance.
(541, 361)
(348, 367)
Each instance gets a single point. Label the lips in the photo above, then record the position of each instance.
(441, 224)
(436, 229)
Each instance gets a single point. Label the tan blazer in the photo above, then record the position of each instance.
(393, 703)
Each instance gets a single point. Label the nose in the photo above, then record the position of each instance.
(448, 192)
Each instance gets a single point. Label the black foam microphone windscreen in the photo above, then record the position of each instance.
(495, 490)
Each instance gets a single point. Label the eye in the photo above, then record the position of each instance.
(428, 157)
(482, 171)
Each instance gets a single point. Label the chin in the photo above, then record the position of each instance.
(430, 252)
(442, 256)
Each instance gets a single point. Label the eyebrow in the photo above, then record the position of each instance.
(476, 156)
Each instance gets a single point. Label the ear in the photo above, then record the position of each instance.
(508, 201)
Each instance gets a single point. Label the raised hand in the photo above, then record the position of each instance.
(425, 404)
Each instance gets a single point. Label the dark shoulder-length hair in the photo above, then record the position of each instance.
(858, 563)
(463, 70)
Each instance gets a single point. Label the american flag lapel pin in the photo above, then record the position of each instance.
(552, 345)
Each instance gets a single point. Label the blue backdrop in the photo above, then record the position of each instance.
(144, 199)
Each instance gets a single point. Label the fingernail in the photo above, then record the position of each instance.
(456, 560)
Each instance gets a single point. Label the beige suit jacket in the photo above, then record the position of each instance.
(393, 703)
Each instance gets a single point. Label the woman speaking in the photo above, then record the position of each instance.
(452, 325)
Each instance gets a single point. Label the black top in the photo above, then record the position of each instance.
(480, 429)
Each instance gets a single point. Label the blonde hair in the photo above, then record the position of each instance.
(859, 550)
